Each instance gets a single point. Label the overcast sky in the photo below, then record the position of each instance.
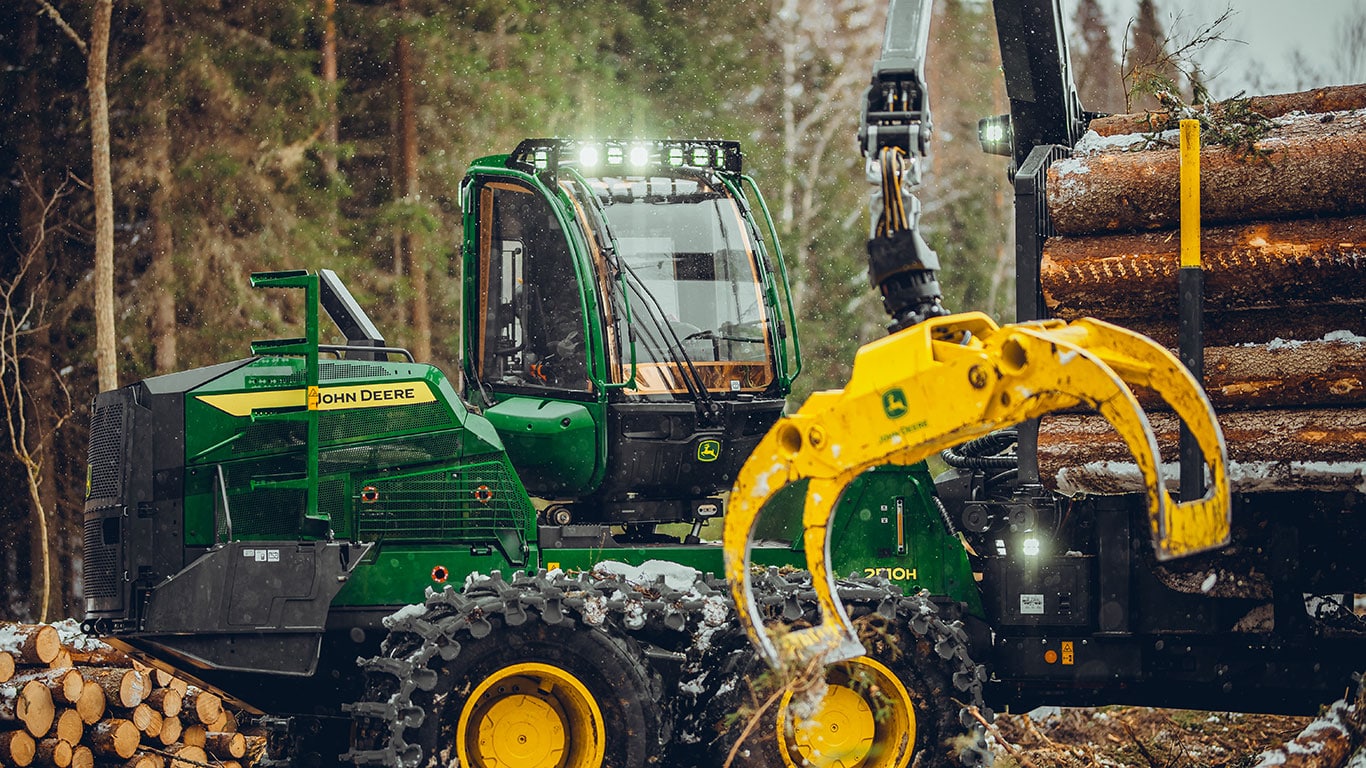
(1287, 46)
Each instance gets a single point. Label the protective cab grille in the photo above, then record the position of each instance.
(470, 504)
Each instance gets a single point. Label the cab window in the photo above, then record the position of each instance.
(531, 316)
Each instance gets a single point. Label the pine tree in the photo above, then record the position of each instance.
(1094, 64)
(1148, 65)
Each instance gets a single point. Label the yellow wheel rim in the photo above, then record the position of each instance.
(866, 720)
(531, 715)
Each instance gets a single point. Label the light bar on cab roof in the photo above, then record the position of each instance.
(591, 156)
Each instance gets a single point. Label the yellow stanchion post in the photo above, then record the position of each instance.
(1191, 283)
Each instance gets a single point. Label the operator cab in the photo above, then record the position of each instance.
(624, 331)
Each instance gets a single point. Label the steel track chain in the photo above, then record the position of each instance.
(420, 634)
(685, 621)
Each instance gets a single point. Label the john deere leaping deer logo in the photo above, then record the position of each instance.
(894, 403)
(709, 450)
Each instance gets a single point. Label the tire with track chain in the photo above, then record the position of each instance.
(907, 703)
(539, 671)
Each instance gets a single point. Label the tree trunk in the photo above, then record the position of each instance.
(30, 643)
(164, 283)
(226, 744)
(122, 687)
(66, 685)
(1263, 279)
(105, 353)
(166, 700)
(329, 73)
(54, 752)
(1336, 98)
(411, 254)
(113, 738)
(41, 400)
(187, 756)
(92, 705)
(6, 666)
(1312, 168)
(1268, 450)
(29, 704)
(171, 730)
(17, 748)
(203, 707)
(82, 757)
(69, 726)
(146, 761)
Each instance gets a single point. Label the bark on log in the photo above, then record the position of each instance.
(222, 744)
(30, 643)
(1282, 265)
(1337, 98)
(1324, 743)
(1304, 174)
(1269, 450)
(187, 756)
(55, 752)
(122, 687)
(168, 701)
(6, 666)
(114, 737)
(202, 706)
(1288, 374)
(29, 704)
(66, 685)
(17, 748)
(144, 760)
(69, 726)
(82, 757)
(256, 747)
(89, 652)
(92, 705)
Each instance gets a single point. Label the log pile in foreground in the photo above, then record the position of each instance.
(71, 701)
(1284, 258)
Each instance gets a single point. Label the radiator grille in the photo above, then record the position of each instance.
(106, 452)
(334, 426)
(470, 504)
(332, 371)
(101, 560)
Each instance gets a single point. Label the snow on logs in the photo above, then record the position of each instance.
(71, 701)
(1284, 257)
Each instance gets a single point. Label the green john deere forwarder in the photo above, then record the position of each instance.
(628, 341)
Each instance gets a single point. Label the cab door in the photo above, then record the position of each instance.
(527, 343)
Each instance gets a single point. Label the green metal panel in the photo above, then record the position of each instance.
(552, 443)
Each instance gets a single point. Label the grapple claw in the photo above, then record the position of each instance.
(938, 384)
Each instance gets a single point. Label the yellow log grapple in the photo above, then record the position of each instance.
(937, 384)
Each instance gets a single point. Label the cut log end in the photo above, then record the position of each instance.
(54, 752)
(17, 748)
(82, 757)
(114, 737)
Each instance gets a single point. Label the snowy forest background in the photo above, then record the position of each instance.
(278, 134)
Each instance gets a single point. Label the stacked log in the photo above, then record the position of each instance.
(1284, 257)
(71, 701)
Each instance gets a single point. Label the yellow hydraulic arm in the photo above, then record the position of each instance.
(939, 383)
